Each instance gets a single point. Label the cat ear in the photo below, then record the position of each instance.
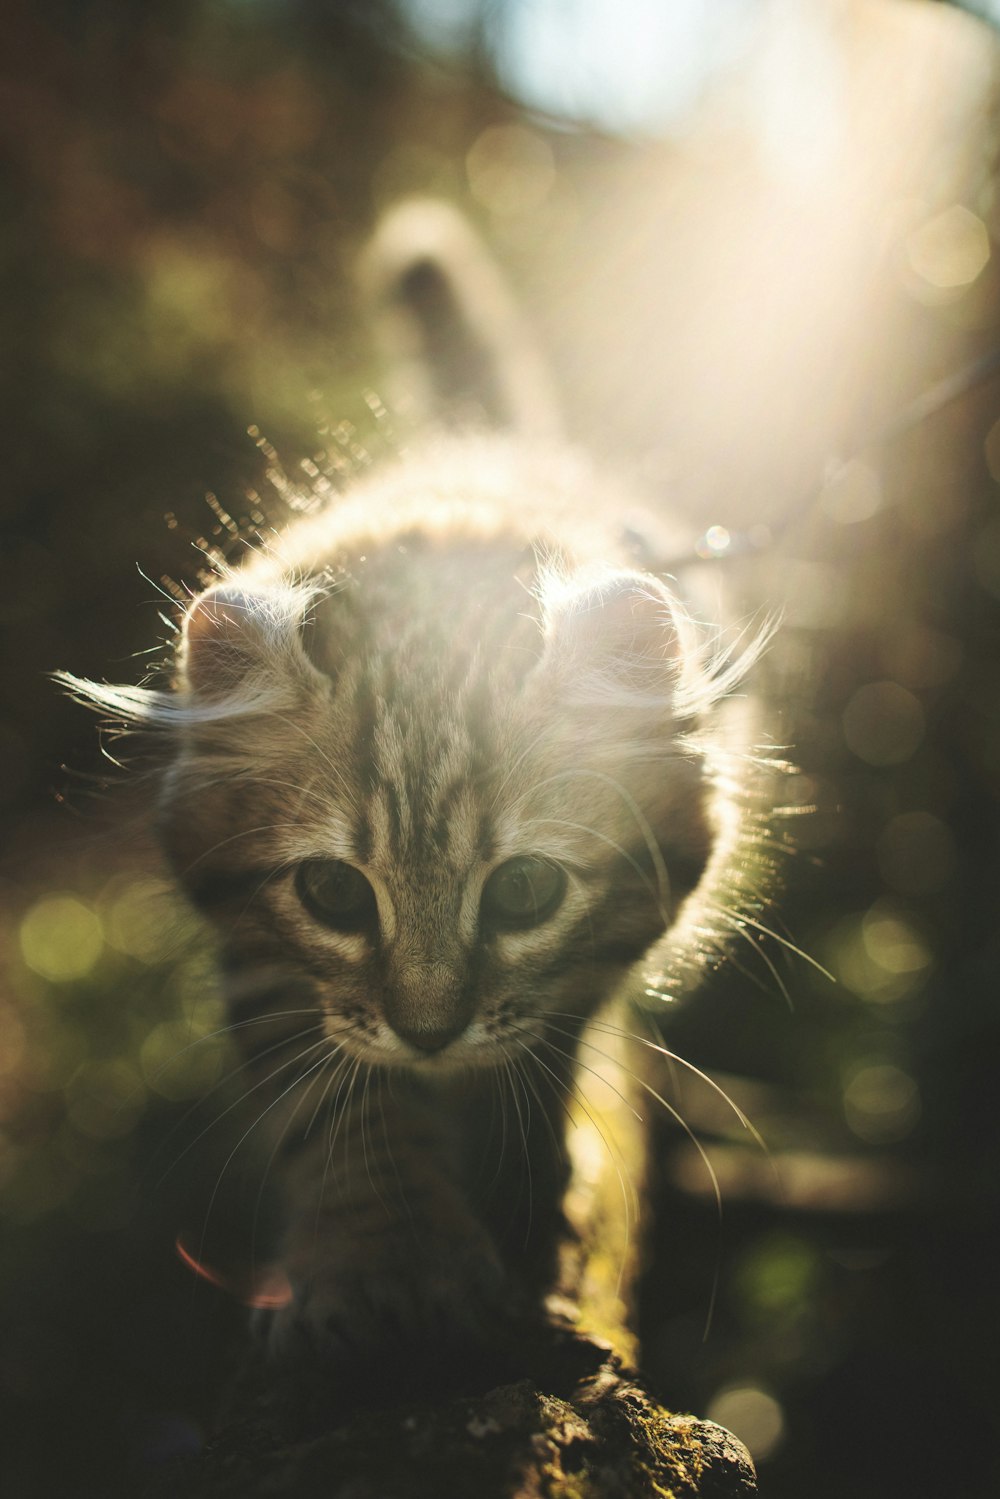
(239, 639)
(614, 640)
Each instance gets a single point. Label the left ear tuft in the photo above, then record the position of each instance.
(233, 633)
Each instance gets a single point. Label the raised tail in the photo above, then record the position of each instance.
(457, 349)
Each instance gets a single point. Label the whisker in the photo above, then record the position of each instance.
(513, 769)
(343, 1061)
(224, 1030)
(714, 1180)
(341, 1110)
(326, 759)
(671, 1056)
(221, 1083)
(339, 1107)
(785, 942)
(570, 1057)
(581, 827)
(630, 1196)
(525, 1151)
(266, 827)
(674, 1114)
(640, 818)
(738, 925)
(525, 1066)
(364, 1144)
(380, 1076)
(497, 1094)
(247, 1132)
(238, 1102)
(287, 1127)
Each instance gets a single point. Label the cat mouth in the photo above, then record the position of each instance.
(472, 1049)
(431, 1052)
(428, 1042)
(440, 1053)
(475, 1043)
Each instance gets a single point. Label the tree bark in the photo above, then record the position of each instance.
(579, 1426)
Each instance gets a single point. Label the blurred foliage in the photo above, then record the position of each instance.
(80, 1065)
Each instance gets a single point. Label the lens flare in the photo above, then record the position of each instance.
(264, 1287)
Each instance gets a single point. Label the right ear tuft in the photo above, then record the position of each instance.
(613, 639)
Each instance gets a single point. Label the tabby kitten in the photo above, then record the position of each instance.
(440, 768)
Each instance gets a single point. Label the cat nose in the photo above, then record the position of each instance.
(429, 1038)
(428, 1006)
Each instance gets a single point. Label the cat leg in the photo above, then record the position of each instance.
(386, 1255)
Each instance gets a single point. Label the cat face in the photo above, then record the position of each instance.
(447, 795)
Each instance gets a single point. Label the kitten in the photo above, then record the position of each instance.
(440, 767)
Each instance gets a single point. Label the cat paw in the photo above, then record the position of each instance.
(395, 1314)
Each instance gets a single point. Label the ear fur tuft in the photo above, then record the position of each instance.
(622, 639)
(241, 654)
(613, 639)
(235, 636)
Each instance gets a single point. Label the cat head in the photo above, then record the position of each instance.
(444, 794)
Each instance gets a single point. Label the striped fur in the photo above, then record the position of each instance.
(451, 670)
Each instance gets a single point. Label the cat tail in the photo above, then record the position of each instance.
(456, 347)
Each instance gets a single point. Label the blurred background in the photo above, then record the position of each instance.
(757, 242)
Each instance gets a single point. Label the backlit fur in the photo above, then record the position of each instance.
(452, 668)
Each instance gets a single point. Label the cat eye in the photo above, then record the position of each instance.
(523, 892)
(336, 894)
